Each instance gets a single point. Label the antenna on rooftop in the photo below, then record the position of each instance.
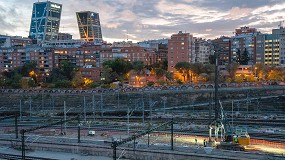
(281, 24)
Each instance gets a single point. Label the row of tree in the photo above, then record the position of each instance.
(67, 75)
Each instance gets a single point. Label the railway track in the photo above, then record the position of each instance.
(17, 157)
(237, 121)
(152, 149)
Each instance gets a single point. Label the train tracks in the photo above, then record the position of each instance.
(17, 157)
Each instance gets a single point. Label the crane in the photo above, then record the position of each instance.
(220, 124)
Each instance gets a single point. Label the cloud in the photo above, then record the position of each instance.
(152, 19)
(155, 21)
(189, 12)
(112, 25)
(237, 13)
(132, 36)
(267, 8)
(127, 15)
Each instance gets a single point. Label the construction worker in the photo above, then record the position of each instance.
(236, 139)
(196, 140)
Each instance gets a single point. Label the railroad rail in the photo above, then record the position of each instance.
(265, 85)
(16, 157)
(154, 150)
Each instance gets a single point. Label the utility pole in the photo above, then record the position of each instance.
(101, 104)
(93, 106)
(52, 102)
(84, 108)
(142, 109)
(128, 120)
(30, 103)
(20, 110)
(118, 99)
(42, 102)
(216, 86)
(164, 101)
(247, 103)
(150, 108)
(232, 113)
(64, 110)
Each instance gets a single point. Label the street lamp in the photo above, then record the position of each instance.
(255, 69)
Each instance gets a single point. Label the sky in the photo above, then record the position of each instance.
(138, 20)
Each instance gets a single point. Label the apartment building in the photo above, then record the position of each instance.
(223, 46)
(244, 39)
(180, 47)
(202, 50)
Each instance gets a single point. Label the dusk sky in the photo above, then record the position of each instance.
(152, 19)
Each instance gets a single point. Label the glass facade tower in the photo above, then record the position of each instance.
(89, 26)
(45, 21)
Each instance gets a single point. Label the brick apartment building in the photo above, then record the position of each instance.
(89, 58)
(180, 48)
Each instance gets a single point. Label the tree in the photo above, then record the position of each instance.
(27, 68)
(232, 69)
(197, 68)
(275, 74)
(238, 56)
(183, 68)
(138, 66)
(119, 66)
(203, 77)
(244, 58)
(212, 59)
(62, 84)
(108, 76)
(55, 75)
(64, 73)
(67, 69)
(209, 68)
(159, 72)
(169, 76)
(77, 80)
(164, 65)
(259, 70)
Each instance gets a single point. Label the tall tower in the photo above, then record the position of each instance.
(89, 26)
(45, 21)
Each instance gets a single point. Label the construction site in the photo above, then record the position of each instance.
(147, 124)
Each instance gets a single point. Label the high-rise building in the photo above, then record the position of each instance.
(45, 21)
(244, 40)
(180, 48)
(223, 45)
(202, 50)
(270, 48)
(89, 26)
(281, 50)
(267, 49)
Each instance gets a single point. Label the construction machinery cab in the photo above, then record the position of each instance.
(241, 137)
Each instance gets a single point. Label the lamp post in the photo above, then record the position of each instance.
(255, 69)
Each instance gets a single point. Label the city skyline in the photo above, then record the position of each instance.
(137, 20)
